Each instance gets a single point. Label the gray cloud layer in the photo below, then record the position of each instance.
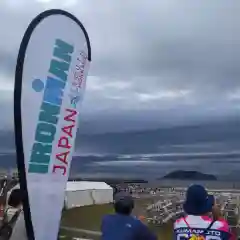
(161, 59)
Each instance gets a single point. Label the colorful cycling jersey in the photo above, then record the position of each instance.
(194, 228)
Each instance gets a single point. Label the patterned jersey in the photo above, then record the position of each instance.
(194, 228)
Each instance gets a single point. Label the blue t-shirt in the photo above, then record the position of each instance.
(121, 227)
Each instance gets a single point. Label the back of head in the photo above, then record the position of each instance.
(15, 198)
(123, 203)
(198, 201)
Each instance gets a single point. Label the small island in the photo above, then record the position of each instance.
(189, 175)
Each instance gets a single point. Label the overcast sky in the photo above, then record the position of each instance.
(153, 62)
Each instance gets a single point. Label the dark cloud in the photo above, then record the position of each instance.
(168, 58)
(8, 62)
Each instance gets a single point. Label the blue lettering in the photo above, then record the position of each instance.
(59, 69)
(50, 108)
(53, 91)
(63, 50)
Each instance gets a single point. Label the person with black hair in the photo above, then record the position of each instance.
(14, 203)
(14, 216)
(123, 226)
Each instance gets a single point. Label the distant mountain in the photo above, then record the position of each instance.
(189, 175)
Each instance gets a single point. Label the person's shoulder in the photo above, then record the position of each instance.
(222, 220)
(19, 230)
(136, 220)
(179, 222)
(137, 223)
(221, 225)
(143, 230)
(10, 211)
(19, 217)
(108, 217)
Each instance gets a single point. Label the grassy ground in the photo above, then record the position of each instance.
(89, 218)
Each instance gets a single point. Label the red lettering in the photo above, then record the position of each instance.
(64, 142)
(76, 76)
(77, 67)
(69, 117)
(63, 157)
(55, 167)
(79, 79)
(68, 130)
(83, 54)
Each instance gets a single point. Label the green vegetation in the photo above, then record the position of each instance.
(89, 218)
